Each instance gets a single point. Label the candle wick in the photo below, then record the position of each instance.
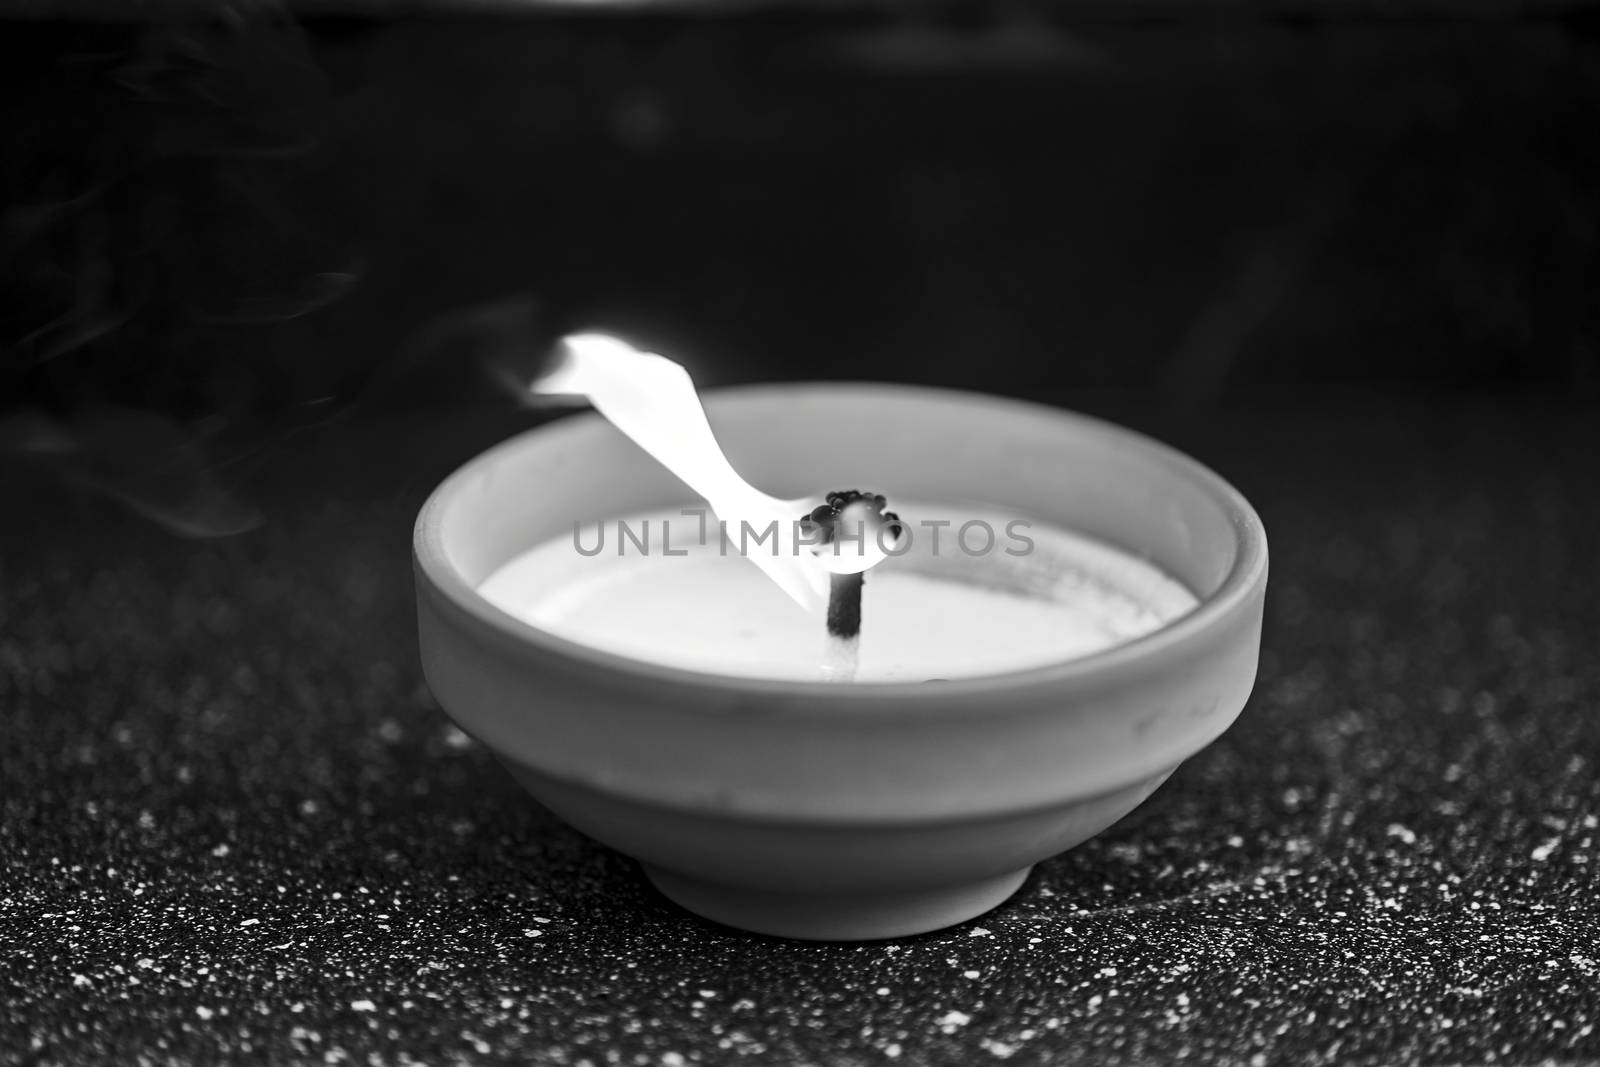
(844, 589)
(844, 604)
(843, 654)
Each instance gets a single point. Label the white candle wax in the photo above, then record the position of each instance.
(1040, 595)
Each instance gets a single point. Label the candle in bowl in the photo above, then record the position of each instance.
(800, 806)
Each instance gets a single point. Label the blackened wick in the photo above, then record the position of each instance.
(844, 590)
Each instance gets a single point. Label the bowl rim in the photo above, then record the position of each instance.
(1239, 587)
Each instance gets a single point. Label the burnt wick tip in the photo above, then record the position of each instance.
(826, 515)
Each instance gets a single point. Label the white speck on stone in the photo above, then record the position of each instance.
(892, 1051)
(80, 980)
(971, 974)
(998, 1049)
(146, 964)
(672, 1059)
(220, 851)
(250, 922)
(363, 1005)
(204, 1013)
(978, 931)
(1404, 834)
(951, 1021)
(883, 991)
(1542, 853)
(532, 933)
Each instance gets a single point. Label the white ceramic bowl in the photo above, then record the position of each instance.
(830, 811)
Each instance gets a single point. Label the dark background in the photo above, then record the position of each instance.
(246, 225)
(271, 274)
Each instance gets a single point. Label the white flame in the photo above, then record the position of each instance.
(652, 400)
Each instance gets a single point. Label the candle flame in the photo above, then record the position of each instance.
(653, 401)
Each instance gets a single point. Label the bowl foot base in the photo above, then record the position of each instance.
(837, 916)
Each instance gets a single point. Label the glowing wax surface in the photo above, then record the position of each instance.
(925, 615)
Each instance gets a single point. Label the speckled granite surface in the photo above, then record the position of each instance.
(234, 827)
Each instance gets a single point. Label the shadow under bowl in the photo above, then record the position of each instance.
(826, 811)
